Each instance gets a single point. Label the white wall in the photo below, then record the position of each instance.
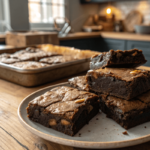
(16, 14)
(78, 13)
(1, 10)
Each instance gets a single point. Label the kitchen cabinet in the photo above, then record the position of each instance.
(114, 44)
(97, 44)
(144, 46)
(105, 44)
(2, 43)
(83, 44)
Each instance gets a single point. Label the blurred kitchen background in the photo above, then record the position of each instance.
(98, 25)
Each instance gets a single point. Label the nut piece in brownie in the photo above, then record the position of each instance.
(128, 58)
(64, 109)
(32, 54)
(29, 65)
(57, 59)
(127, 113)
(79, 83)
(125, 83)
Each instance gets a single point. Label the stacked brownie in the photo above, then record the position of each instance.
(124, 90)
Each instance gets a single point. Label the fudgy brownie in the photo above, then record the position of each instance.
(79, 83)
(32, 54)
(127, 113)
(125, 83)
(64, 109)
(128, 58)
(29, 65)
(57, 59)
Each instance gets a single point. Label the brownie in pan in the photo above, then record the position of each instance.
(64, 109)
(127, 58)
(32, 54)
(127, 113)
(125, 83)
(57, 59)
(7, 59)
(29, 65)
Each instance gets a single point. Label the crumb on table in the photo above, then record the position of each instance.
(125, 133)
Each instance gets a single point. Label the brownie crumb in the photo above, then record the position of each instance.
(105, 128)
(145, 127)
(96, 118)
(79, 134)
(89, 131)
(125, 133)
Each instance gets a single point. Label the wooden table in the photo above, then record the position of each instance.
(13, 136)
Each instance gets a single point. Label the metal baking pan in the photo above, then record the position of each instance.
(34, 77)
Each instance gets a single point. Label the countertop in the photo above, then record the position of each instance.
(113, 35)
(79, 35)
(13, 135)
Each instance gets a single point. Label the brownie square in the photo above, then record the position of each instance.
(32, 54)
(57, 59)
(79, 82)
(64, 109)
(127, 113)
(29, 65)
(128, 58)
(125, 83)
(7, 60)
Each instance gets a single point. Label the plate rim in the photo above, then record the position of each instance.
(77, 143)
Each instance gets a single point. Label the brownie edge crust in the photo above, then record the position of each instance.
(64, 109)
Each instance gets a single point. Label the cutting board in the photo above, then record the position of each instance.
(132, 19)
(22, 39)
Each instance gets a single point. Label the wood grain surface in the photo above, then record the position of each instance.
(31, 38)
(13, 136)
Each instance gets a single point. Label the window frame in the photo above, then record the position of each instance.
(48, 26)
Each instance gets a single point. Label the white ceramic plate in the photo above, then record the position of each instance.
(99, 133)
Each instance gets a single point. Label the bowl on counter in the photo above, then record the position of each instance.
(142, 29)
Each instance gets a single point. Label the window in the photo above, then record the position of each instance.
(44, 11)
